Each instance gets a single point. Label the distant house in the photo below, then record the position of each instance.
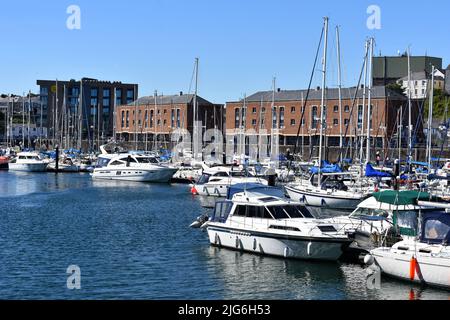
(420, 83)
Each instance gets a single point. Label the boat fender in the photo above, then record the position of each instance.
(217, 239)
(412, 268)
(323, 202)
(194, 190)
(255, 244)
(286, 252)
(303, 199)
(237, 242)
(368, 259)
(309, 248)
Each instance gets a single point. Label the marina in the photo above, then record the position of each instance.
(132, 241)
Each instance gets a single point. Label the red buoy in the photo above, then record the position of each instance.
(412, 268)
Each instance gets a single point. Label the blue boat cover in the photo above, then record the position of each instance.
(326, 169)
(372, 173)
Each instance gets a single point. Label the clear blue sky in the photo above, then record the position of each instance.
(241, 44)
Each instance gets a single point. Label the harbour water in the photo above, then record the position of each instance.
(133, 241)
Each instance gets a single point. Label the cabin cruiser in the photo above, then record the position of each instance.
(215, 181)
(423, 256)
(132, 167)
(261, 224)
(28, 162)
(377, 220)
(331, 193)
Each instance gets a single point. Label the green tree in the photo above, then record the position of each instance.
(396, 88)
(440, 101)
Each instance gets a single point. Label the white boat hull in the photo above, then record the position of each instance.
(435, 271)
(267, 244)
(28, 167)
(324, 200)
(138, 175)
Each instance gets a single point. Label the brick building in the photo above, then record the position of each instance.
(256, 113)
(156, 117)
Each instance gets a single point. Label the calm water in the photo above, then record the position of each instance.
(132, 241)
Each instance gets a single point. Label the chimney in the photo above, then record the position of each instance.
(279, 90)
(181, 93)
(317, 88)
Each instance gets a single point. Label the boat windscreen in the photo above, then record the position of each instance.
(147, 160)
(436, 228)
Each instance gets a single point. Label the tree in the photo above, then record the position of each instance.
(440, 101)
(396, 87)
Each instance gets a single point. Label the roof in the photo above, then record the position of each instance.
(401, 197)
(331, 94)
(169, 99)
(422, 75)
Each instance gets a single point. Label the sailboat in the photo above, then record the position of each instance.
(325, 188)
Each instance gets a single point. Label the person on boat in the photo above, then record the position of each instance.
(128, 161)
(378, 158)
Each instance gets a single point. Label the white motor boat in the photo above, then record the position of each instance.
(377, 220)
(268, 225)
(331, 193)
(423, 258)
(28, 162)
(132, 167)
(215, 181)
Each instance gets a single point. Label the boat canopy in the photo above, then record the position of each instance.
(372, 173)
(256, 187)
(326, 169)
(436, 227)
(401, 197)
(418, 163)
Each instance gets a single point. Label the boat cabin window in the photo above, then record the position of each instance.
(220, 174)
(204, 178)
(147, 160)
(116, 163)
(221, 211)
(406, 221)
(240, 174)
(252, 212)
(436, 228)
(366, 212)
(102, 162)
(132, 160)
(296, 212)
(334, 182)
(22, 157)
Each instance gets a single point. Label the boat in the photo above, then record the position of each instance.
(330, 193)
(375, 222)
(257, 223)
(64, 165)
(28, 162)
(132, 167)
(215, 181)
(4, 163)
(423, 256)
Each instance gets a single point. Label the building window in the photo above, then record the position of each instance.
(94, 102)
(292, 109)
(274, 117)
(118, 97)
(151, 118)
(281, 117)
(335, 122)
(262, 123)
(360, 116)
(130, 96)
(236, 118)
(314, 117)
(263, 110)
(347, 109)
(303, 122)
(44, 91)
(74, 92)
(128, 119)
(178, 118)
(254, 110)
(172, 118)
(292, 122)
(165, 122)
(94, 92)
(253, 122)
(336, 109)
(346, 122)
(146, 118)
(244, 115)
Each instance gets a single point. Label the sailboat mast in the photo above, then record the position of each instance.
(274, 112)
(341, 139)
(430, 118)
(322, 101)
(23, 120)
(195, 128)
(409, 110)
(361, 136)
(29, 118)
(369, 101)
(80, 116)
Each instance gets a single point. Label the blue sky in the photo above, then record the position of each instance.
(241, 44)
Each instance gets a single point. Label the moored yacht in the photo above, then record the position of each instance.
(28, 162)
(132, 167)
(331, 192)
(268, 225)
(423, 256)
(216, 181)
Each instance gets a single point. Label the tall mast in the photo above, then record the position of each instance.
(135, 121)
(338, 46)
(155, 134)
(114, 113)
(80, 116)
(430, 117)
(410, 146)
(29, 118)
(274, 111)
(55, 130)
(322, 101)
(23, 120)
(195, 128)
(369, 101)
(361, 136)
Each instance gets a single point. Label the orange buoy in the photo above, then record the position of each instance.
(412, 268)
(194, 191)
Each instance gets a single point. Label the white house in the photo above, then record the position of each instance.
(420, 82)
